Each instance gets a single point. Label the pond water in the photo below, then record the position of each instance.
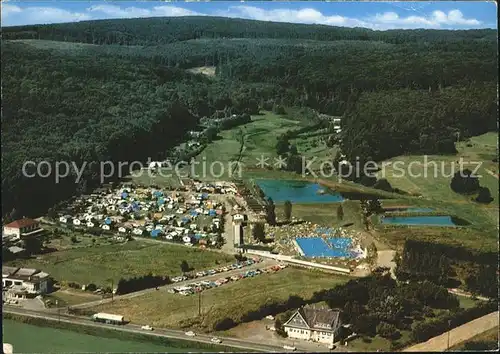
(297, 191)
(331, 247)
(419, 220)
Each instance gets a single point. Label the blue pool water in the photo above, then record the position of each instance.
(296, 191)
(419, 220)
(332, 247)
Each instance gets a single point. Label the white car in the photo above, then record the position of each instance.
(190, 334)
(216, 340)
(290, 348)
(147, 328)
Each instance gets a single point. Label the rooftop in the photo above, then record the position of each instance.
(26, 222)
(320, 317)
(22, 273)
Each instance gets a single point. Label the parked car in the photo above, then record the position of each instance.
(215, 340)
(290, 348)
(190, 334)
(147, 328)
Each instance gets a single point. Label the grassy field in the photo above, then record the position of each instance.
(314, 149)
(467, 302)
(70, 297)
(324, 214)
(434, 187)
(259, 139)
(100, 264)
(27, 338)
(162, 309)
(430, 175)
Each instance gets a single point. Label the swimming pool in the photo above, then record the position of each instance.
(296, 191)
(419, 220)
(331, 247)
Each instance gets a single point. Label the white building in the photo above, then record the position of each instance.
(65, 219)
(22, 228)
(24, 282)
(238, 233)
(238, 218)
(316, 324)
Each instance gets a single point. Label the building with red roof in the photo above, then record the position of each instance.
(21, 228)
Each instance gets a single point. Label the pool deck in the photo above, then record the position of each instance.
(298, 248)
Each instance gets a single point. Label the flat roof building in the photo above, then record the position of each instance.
(28, 281)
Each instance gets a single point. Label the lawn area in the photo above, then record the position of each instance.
(325, 214)
(430, 176)
(466, 237)
(27, 338)
(259, 139)
(70, 297)
(233, 300)
(314, 149)
(467, 302)
(100, 264)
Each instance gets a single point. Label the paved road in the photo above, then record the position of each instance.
(457, 335)
(264, 264)
(132, 328)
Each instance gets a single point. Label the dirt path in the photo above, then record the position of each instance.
(457, 335)
(492, 173)
(385, 259)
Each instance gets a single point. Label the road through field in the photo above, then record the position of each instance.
(167, 333)
(457, 335)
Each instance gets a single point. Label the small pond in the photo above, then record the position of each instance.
(297, 191)
(419, 220)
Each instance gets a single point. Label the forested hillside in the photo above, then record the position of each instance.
(152, 31)
(125, 95)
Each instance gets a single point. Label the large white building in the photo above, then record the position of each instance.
(316, 324)
(24, 282)
(22, 228)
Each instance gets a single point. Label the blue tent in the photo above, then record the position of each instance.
(185, 219)
(161, 201)
(212, 212)
(197, 236)
(124, 195)
(155, 233)
(107, 221)
(158, 194)
(204, 196)
(194, 213)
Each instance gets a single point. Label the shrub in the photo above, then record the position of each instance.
(386, 330)
(484, 196)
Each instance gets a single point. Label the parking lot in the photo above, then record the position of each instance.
(197, 287)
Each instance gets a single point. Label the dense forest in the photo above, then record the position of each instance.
(117, 90)
(152, 31)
